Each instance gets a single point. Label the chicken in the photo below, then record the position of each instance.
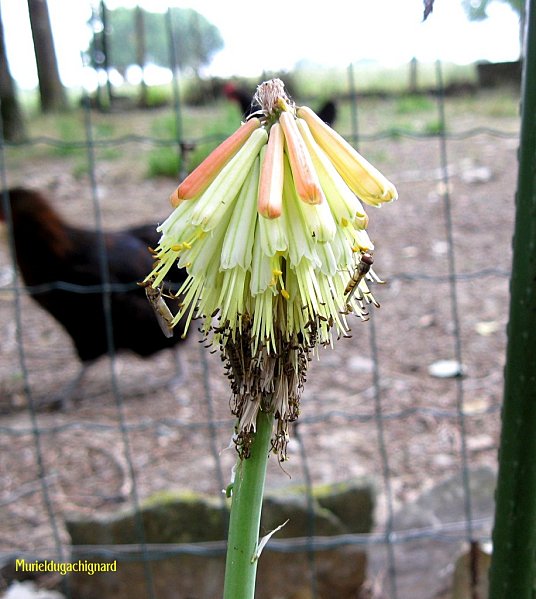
(327, 112)
(51, 252)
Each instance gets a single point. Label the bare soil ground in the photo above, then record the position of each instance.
(84, 454)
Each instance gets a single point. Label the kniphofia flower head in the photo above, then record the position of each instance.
(272, 232)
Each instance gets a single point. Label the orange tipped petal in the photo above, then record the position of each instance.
(360, 176)
(303, 171)
(201, 177)
(270, 197)
(174, 199)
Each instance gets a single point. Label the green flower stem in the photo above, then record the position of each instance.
(248, 489)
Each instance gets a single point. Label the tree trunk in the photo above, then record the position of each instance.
(140, 54)
(104, 14)
(51, 90)
(12, 121)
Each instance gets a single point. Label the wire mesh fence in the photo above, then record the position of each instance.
(375, 406)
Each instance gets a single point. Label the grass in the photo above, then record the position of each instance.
(163, 162)
(209, 126)
(414, 104)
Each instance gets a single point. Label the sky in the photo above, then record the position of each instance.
(332, 34)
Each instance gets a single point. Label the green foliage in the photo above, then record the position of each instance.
(69, 130)
(164, 126)
(196, 39)
(163, 162)
(433, 127)
(104, 129)
(414, 103)
(158, 95)
(476, 10)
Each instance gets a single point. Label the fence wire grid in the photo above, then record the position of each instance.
(372, 406)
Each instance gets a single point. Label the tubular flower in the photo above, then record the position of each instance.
(272, 232)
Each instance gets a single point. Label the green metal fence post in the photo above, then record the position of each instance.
(514, 535)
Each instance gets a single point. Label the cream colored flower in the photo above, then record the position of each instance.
(272, 233)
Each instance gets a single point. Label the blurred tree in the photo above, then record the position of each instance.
(100, 53)
(196, 39)
(476, 10)
(141, 51)
(51, 91)
(12, 122)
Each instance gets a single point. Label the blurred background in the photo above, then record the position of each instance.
(105, 107)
